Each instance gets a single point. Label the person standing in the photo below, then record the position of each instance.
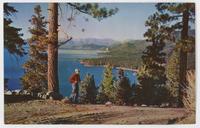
(74, 80)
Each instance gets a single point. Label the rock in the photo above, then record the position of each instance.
(13, 93)
(25, 92)
(17, 92)
(44, 96)
(54, 96)
(47, 96)
(163, 105)
(21, 92)
(108, 103)
(66, 100)
(8, 92)
(51, 98)
(39, 95)
(143, 105)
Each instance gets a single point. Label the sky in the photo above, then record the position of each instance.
(127, 24)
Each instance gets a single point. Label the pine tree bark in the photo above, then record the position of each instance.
(183, 57)
(53, 84)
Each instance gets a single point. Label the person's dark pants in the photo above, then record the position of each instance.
(74, 94)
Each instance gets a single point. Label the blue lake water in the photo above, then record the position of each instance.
(67, 62)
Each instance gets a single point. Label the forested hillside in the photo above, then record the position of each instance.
(127, 54)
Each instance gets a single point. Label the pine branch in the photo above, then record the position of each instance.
(77, 8)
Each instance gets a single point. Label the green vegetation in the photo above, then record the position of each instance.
(123, 91)
(172, 70)
(127, 54)
(115, 91)
(88, 90)
(151, 75)
(177, 17)
(13, 41)
(106, 89)
(35, 77)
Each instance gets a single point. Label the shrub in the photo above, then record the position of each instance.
(123, 91)
(106, 89)
(88, 90)
(101, 96)
(172, 74)
(35, 77)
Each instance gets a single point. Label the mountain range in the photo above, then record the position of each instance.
(88, 43)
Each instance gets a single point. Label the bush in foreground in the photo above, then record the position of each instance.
(123, 91)
(88, 90)
(106, 89)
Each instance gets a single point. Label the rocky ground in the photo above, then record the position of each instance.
(58, 112)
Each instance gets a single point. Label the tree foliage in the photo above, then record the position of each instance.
(93, 9)
(151, 75)
(177, 17)
(88, 90)
(106, 89)
(13, 41)
(123, 91)
(119, 55)
(35, 77)
(172, 69)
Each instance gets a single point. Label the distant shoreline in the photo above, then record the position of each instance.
(92, 65)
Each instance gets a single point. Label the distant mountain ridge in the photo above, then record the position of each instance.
(89, 43)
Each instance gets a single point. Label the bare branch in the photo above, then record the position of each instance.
(65, 42)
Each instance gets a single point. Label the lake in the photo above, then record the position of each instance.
(67, 62)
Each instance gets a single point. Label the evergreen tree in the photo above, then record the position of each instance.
(106, 89)
(151, 75)
(123, 91)
(138, 94)
(178, 16)
(88, 90)
(35, 78)
(13, 41)
(101, 96)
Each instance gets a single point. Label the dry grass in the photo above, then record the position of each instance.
(189, 99)
(57, 112)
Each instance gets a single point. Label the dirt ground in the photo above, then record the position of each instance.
(57, 112)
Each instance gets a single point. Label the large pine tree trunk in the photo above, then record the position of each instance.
(183, 57)
(53, 85)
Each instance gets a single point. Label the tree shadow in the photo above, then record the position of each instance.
(17, 98)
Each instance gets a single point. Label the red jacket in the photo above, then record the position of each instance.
(74, 78)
